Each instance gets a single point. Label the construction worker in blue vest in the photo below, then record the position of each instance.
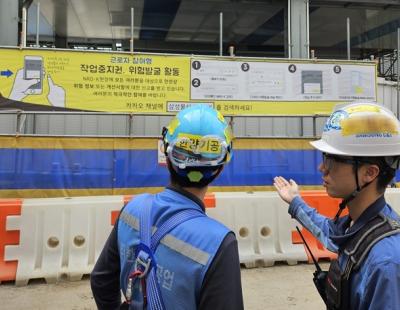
(164, 251)
(360, 147)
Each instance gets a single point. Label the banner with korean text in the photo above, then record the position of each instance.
(163, 84)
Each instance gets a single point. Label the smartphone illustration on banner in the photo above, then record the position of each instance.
(33, 69)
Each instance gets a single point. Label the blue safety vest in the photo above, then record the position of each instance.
(183, 256)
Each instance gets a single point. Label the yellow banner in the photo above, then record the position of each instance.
(154, 84)
(94, 81)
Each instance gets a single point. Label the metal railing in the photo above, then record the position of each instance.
(100, 124)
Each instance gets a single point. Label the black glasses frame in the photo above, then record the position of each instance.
(329, 159)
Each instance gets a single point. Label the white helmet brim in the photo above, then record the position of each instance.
(324, 147)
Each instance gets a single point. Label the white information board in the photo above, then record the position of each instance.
(273, 81)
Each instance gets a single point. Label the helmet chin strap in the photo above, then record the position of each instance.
(353, 195)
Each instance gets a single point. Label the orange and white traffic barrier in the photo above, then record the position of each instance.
(10, 209)
(274, 232)
(60, 236)
(262, 226)
(54, 237)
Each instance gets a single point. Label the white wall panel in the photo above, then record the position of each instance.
(8, 123)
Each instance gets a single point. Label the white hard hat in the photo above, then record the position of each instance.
(360, 129)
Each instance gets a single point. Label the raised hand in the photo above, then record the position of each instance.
(287, 190)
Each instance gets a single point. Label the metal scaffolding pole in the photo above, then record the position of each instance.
(348, 39)
(289, 29)
(25, 7)
(398, 72)
(308, 29)
(132, 28)
(37, 24)
(23, 32)
(221, 24)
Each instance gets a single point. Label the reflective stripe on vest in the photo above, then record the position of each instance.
(170, 241)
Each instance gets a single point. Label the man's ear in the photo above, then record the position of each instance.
(371, 172)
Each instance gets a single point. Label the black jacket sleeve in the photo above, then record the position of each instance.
(104, 279)
(222, 287)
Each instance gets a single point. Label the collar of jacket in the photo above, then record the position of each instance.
(341, 236)
(187, 194)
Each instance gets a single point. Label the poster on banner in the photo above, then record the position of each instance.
(97, 81)
(284, 81)
(251, 87)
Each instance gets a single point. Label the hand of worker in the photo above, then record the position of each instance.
(287, 190)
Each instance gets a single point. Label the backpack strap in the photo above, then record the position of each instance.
(337, 287)
(358, 247)
(145, 261)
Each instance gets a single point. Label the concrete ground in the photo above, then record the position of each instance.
(279, 287)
